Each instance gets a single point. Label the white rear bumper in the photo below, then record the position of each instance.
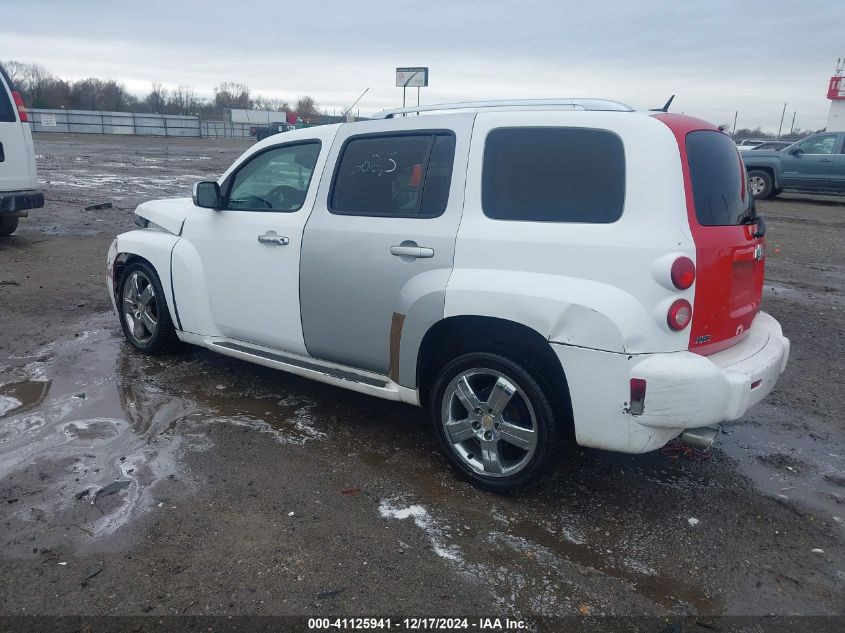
(683, 390)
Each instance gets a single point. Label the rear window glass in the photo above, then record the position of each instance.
(553, 175)
(718, 179)
(7, 109)
(405, 175)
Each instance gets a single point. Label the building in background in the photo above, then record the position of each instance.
(836, 94)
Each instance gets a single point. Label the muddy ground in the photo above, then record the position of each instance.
(196, 484)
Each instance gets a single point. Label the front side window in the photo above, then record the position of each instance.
(553, 174)
(719, 188)
(407, 175)
(275, 180)
(822, 144)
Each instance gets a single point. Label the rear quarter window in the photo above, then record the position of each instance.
(7, 108)
(718, 179)
(553, 174)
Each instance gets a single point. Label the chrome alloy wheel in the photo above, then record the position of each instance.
(757, 185)
(139, 307)
(489, 422)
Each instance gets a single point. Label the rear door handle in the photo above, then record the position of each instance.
(411, 250)
(273, 238)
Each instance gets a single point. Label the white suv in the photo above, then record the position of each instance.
(18, 185)
(532, 271)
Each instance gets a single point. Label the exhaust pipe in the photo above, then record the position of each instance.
(699, 438)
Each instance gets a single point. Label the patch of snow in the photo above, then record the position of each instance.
(8, 403)
(424, 521)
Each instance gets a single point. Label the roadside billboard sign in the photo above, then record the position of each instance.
(412, 77)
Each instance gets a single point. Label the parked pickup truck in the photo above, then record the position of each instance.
(260, 132)
(815, 164)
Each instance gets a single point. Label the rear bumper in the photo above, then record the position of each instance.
(705, 390)
(683, 390)
(17, 203)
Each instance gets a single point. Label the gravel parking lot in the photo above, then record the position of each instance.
(242, 490)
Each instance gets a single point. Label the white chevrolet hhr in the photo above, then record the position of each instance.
(534, 272)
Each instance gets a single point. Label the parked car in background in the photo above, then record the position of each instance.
(18, 185)
(749, 143)
(815, 164)
(532, 272)
(773, 145)
(260, 132)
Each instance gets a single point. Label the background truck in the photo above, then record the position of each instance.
(260, 132)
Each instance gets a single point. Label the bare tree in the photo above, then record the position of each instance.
(230, 95)
(183, 99)
(16, 71)
(156, 100)
(307, 110)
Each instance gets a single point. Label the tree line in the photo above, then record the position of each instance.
(744, 132)
(41, 89)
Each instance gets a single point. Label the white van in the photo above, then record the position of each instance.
(18, 185)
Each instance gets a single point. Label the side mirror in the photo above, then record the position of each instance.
(207, 195)
(795, 150)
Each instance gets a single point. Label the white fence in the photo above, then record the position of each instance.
(137, 123)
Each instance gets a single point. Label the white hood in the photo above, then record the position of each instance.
(169, 213)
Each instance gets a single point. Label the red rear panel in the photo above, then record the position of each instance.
(730, 262)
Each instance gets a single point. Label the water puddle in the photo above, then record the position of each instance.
(789, 462)
(22, 395)
(92, 433)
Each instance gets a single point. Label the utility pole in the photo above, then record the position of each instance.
(736, 114)
(792, 127)
(782, 114)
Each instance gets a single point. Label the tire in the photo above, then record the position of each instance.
(478, 437)
(8, 225)
(144, 318)
(761, 184)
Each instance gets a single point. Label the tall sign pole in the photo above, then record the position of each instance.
(414, 77)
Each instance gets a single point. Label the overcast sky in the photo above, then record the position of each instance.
(717, 56)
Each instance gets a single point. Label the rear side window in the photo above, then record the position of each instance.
(718, 179)
(7, 108)
(553, 175)
(406, 175)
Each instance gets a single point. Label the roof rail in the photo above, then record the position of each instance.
(575, 104)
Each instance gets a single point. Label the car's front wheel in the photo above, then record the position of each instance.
(761, 184)
(8, 225)
(494, 421)
(144, 316)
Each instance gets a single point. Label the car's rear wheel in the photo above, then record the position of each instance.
(494, 422)
(761, 184)
(144, 316)
(8, 226)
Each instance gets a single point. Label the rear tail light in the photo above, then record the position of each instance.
(683, 273)
(21, 107)
(680, 314)
(637, 396)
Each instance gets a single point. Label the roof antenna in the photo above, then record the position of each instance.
(665, 107)
(349, 109)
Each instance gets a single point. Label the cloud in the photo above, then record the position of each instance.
(719, 57)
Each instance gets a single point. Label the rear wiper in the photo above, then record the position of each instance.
(760, 221)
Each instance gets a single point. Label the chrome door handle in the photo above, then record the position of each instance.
(405, 250)
(273, 238)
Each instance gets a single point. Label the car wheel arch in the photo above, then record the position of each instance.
(455, 335)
